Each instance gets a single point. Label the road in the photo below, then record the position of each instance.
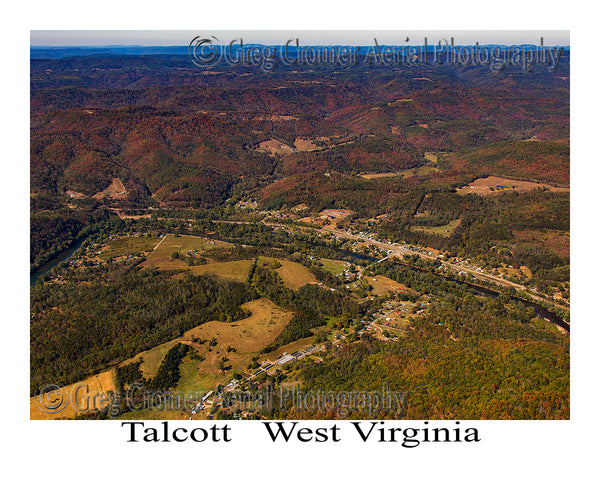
(399, 250)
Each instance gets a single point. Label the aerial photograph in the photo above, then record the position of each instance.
(266, 225)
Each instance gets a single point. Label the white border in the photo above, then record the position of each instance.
(98, 449)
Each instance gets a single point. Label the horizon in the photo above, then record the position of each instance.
(149, 38)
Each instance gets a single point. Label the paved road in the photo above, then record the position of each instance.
(399, 250)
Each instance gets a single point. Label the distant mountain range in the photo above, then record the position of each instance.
(57, 52)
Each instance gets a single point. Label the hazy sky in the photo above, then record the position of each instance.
(306, 37)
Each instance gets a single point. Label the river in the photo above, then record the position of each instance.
(540, 311)
(53, 262)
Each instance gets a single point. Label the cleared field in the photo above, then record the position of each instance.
(151, 359)
(497, 185)
(442, 230)
(318, 221)
(423, 170)
(246, 337)
(78, 398)
(382, 285)
(127, 246)
(160, 256)
(371, 176)
(305, 145)
(334, 266)
(249, 335)
(400, 101)
(274, 147)
(294, 275)
(237, 270)
(432, 157)
(186, 243)
(116, 190)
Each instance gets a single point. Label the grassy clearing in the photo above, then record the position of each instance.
(294, 275)
(116, 190)
(151, 359)
(274, 147)
(249, 335)
(160, 256)
(442, 230)
(423, 170)
(371, 176)
(305, 145)
(246, 337)
(128, 246)
(489, 186)
(382, 285)
(80, 397)
(237, 270)
(334, 266)
(432, 157)
(400, 101)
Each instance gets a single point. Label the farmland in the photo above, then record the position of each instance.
(294, 275)
(423, 170)
(334, 266)
(442, 230)
(493, 185)
(382, 285)
(210, 221)
(78, 397)
(183, 245)
(237, 341)
(130, 245)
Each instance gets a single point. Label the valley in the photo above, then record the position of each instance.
(224, 234)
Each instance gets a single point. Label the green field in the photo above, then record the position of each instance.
(182, 244)
(334, 266)
(237, 270)
(424, 170)
(442, 230)
(432, 157)
(128, 246)
(382, 285)
(293, 275)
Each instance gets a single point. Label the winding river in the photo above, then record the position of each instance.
(541, 311)
(53, 262)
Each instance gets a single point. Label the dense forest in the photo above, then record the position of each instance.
(78, 329)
